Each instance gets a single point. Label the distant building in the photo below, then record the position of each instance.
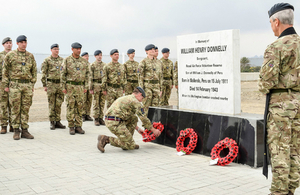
(256, 61)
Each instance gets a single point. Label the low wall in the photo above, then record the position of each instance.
(253, 76)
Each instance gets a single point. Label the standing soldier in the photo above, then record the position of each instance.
(113, 81)
(131, 72)
(175, 77)
(88, 97)
(168, 81)
(74, 80)
(51, 83)
(96, 75)
(4, 102)
(19, 77)
(279, 80)
(150, 78)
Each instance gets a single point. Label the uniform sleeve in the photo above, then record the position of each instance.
(44, 72)
(5, 71)
(161, 76)
(124, 82)
(172, 73)
(92, 77)
(87, 74)
(33, 71)
(175, 73)
(143, 116)
(63, 74)
(141, 74)
(104, 78)
(269, 72)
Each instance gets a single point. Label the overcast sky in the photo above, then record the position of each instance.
(105, 25)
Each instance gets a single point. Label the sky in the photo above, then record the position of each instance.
(120, 24)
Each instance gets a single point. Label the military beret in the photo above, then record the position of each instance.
(279, 7)
(6, 39)
(54, 45)
(97, 52)
(114, 51)
(21, 38)
(165, 50)
(142, 91)
(76, 45)
(84, 53)
(149, 47)
(156, 48)
(130, 51)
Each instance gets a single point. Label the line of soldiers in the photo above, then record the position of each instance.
(81, 82)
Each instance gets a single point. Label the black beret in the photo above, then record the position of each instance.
(165, 50)
(76, 45)
(156, 48)
(54, 45)
(130, 51)
(114, 51)
(6, 39)
(84, 53)
(97, 52)
(149, 47)
(279, 7)
(21, 38)
(142, 91)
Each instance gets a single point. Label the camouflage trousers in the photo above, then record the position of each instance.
(283, 140)
(87, 105)
(112, 95)
(152, 95)
(74, 98)
(98, 101)
(166, 93)
(20, 100)
(130, 87)
(4, 107)
(55, 100)
(124, 131)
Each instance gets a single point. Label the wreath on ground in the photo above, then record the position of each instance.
(187, 133)
(225, 143)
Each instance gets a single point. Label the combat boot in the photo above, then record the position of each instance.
(59, 125)
(72, 131)
(26, 134)
(102, 141)
(83, 117)
(97, 122)
(11, 129)
(79, 130)
(101, 121)
(3, 129)
(52, 125)
(136, 146)
(88, 118)
(16, 135)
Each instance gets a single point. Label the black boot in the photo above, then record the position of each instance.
(52, 125)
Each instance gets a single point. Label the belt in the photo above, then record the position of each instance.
(21, 80)
(113, 118)
(54, 80)
(97, 80)
(132, 81)
(151, 81)
(114, 85)
(75, 83)
(281, 90)
(167, 78)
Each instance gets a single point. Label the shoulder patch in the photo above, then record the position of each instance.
(142, 110)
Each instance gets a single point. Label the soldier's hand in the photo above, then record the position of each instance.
(91, 91)
(160, 93)
(32, 89)
(171, 86)
(6, 89)
(156, 132)
(123, 91)
(84, 91)
(45, 88)
(176, 86)
(64, 91)
(104, 92)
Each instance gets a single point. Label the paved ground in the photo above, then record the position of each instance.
(58, 163)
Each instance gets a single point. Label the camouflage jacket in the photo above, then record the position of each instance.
(131, 70)
(2, 55)
(113, 74)
(74, 69)
(150, 69)
(281, 66)
(175, 73)
(126, 107)
(167, 68)
(19, 65)
(96, 72)
(51, 69)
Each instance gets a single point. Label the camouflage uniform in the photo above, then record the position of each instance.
(113, 81)
(175, 73)
(51, 79)
(19, 75)
(131, 72)
(74, 78)
(167, 68)
(88, 98)
(4, 102)
(150, 79)
(126, 109)
(279, 76)
(96, 75)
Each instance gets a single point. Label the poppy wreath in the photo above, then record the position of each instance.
(148, 136)
(192, 144)
(225, 143)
